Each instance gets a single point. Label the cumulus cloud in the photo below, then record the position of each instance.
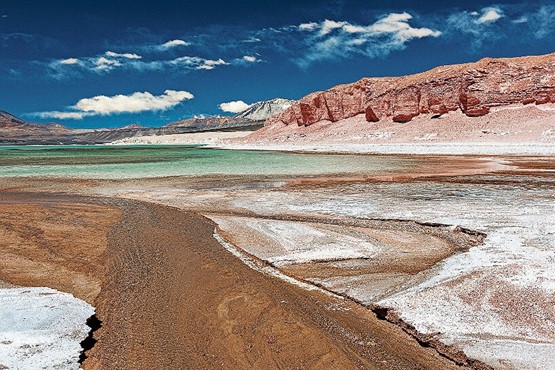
(174, 43)
(136, 102)
(236, 106)
(332, 39)
(117, 104)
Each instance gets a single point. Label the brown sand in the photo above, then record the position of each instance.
(172, 298)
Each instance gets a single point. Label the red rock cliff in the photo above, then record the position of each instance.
(473, 88)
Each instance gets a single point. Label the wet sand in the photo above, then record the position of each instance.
(172, 298)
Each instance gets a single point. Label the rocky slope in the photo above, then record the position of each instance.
(9, 122)
(263, 110)
(474, 89)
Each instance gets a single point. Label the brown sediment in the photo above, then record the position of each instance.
(54, 241)
(451, 352)
(172, 298)
(441, 166)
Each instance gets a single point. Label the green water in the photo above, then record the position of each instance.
(112, 162)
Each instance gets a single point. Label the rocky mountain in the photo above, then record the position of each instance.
(211, 123)
(8, 120)
(263, 110)
(473, 89)
(12, 127)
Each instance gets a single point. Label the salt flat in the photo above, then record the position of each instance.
(41, 328)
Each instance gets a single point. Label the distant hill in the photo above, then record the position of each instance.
(14, 130)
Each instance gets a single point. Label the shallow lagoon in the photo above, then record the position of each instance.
(161, 161)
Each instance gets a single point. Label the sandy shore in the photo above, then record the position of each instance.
(171, 297)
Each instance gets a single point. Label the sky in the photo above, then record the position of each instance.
(115, 63)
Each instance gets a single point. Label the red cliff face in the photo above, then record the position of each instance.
(473, 88)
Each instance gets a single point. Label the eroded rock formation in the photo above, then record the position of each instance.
(473, 88)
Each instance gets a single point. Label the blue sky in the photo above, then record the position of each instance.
(114, 63)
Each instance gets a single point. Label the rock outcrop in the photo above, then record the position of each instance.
(473, 88)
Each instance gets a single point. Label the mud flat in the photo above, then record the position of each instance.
(491, 300)
(171, 297)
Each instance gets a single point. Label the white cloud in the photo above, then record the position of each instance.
(308, 26)
(105, 64)
(136, 102)
(198, 63)
(522, 19)
(250, 59)
(117, 104)
(327, 26)
(69, 61)
(62, 115)
(124, 55)
(479, 25)
(174, 43)
(109, 61)
(237, 106)
(397, 25)
(246, 60)
(332, 39)
(252, 40)
(490, 15)
(211, 64)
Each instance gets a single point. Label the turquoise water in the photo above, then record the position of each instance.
(112, 162)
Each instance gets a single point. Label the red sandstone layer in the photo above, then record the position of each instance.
(472, 88)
